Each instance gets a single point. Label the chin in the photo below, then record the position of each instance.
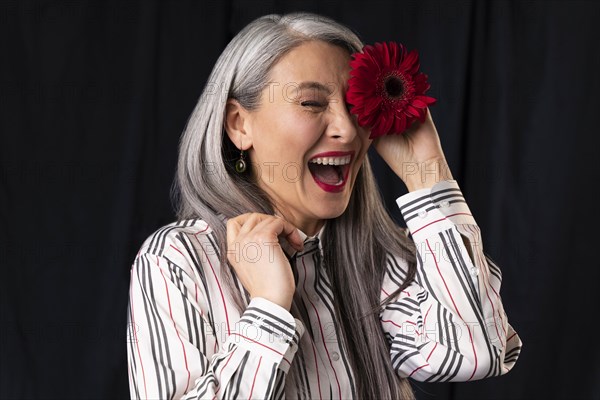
(333, 211)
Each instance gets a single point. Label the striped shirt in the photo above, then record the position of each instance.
(186, 338)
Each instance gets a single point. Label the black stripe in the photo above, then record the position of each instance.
(407, 355)
(213, 242)
(132, 339)
(304, 372)
(456, 356)
(474, 291)
(152, 325)
(208, 382)
(240, 374)
(434, 376)
(195, 257)
(271, 316)
(326, 295)
(253, 318)
(271, 381)
(512, 352)
(415, 215)
(400, 272)
(423, 278)
(475, 305)
(426, 197)
(402, 307)
(279, 386)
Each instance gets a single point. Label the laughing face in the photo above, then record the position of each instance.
(304, 146)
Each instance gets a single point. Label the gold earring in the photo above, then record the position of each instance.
(240, 164)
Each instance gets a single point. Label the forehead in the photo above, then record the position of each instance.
(314, 61)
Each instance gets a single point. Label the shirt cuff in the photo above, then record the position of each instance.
(432, 210)
(268, 329)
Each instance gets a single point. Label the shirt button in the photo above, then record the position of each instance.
(445, 203)
(283, 339)
(474, 272)
(335, 356)
(422, 213)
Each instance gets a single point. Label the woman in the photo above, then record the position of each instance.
(284, 275)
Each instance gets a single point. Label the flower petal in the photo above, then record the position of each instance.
(427, 100)
(412, 111)
(400, 124)
(367, 95)
(387, 123)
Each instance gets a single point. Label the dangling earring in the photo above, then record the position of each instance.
(240, 165)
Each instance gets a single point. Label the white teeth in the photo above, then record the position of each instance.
(331, 160)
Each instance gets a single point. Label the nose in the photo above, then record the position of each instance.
(342, 126)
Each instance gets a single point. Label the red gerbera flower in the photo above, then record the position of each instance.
(386, 88)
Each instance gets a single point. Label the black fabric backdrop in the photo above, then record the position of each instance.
(94, 96)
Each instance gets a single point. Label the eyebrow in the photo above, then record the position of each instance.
(314, 85)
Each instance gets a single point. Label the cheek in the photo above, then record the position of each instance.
(299, 135)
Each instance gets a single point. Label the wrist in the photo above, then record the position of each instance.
(422, 175)
(277, 298)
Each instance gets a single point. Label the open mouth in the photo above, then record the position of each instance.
(330, 170)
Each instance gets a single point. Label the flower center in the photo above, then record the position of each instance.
(394, 86)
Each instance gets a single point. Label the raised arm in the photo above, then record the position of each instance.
(449, 324)
(178, 347)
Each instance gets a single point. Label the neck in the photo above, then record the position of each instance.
(309, 226)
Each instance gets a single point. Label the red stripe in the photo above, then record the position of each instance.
(226, 362)
(391, 322)
(511, 336)
(487, 283)
(474, 352)
(455, 307)
(313, 345)
(254, 341)
(254, 380)
(425, 321)
(137, 344)
(221, 373)
(175, 327)
(177, 249)
(195, 285)
(218, 284)
(202, 231)
(322, 334)
(426, 314)
(431, 352)
(411, 374)
(438, 220)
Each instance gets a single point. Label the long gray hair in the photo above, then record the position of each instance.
(356, 244)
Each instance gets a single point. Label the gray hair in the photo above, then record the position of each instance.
(357, 245)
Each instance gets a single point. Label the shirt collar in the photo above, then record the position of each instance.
(310, 242)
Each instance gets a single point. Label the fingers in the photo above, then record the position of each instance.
(256, 224)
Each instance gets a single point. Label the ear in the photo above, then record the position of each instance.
(237, 124)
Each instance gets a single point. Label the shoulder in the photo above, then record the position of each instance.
(179, 236)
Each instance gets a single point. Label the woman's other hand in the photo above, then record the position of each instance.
(254, 251)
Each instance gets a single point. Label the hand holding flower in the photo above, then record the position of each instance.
(387, 92)
(416, 155)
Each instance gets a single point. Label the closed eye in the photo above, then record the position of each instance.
(311, 104)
